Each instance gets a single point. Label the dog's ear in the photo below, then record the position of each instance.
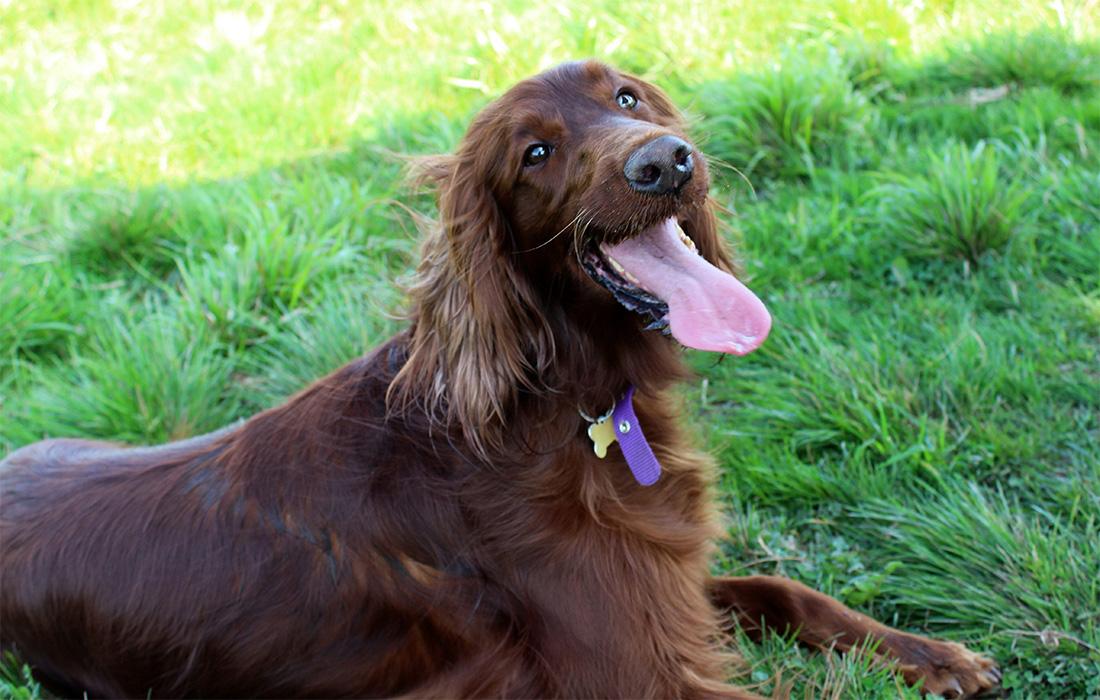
(478, 336)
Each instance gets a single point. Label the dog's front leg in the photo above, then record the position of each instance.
(946, 668)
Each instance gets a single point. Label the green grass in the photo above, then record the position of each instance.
(16, 681)
(961, 205)
(782, 122)
(201, 210)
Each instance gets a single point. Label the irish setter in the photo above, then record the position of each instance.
(432, 520)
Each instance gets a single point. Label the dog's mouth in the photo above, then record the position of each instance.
(626, 288)
(659, 274)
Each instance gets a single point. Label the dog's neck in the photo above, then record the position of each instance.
(593, 370)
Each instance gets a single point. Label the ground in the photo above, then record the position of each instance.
(201, 210)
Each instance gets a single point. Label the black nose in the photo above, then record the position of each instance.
(661, 166)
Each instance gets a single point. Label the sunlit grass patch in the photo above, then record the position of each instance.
(963, 204)
(1037, 59)
(789, 121)
(914, 390)
(974, 557)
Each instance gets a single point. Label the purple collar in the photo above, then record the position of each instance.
(628, 433)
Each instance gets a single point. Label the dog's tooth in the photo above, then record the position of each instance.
(622, 271)
(686, 239)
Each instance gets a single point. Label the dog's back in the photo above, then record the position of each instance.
(76, 514)
(217, 549)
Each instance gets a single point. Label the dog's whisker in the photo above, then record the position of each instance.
(712, 160)
(578, 231)
(578, 238)
(552, 238)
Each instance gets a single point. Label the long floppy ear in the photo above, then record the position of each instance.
(477, 337)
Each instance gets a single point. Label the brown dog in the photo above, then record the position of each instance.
(431, 520)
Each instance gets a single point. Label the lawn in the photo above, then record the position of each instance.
(202, 210)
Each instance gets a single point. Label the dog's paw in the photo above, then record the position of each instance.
(948, 669)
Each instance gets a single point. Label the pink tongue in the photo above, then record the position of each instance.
(707, 309)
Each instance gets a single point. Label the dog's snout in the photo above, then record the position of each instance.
(660, 166)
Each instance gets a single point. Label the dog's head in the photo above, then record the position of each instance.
(574, 219)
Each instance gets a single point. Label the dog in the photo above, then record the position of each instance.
(435, 518)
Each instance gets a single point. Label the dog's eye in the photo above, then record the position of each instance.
(536, 154)
(626, 99)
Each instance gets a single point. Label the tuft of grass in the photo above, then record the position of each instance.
(271, 268)
(787, 122)
(962, 206)
(130, 231)
(1039, 121)
(840, 404)
(809, 233)
(148, 378)
(779, 667)
(311, 343)
(1037, 59)
(870, 66)
(1070, 213)
(40, 309)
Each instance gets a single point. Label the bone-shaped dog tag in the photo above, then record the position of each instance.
(602, 433)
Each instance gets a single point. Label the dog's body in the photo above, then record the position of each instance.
(431, 519)
(225, 573)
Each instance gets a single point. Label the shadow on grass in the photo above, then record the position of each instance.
(206, 273)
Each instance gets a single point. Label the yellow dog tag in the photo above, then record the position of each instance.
(602, 433)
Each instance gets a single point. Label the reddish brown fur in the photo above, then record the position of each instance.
(430, 520)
